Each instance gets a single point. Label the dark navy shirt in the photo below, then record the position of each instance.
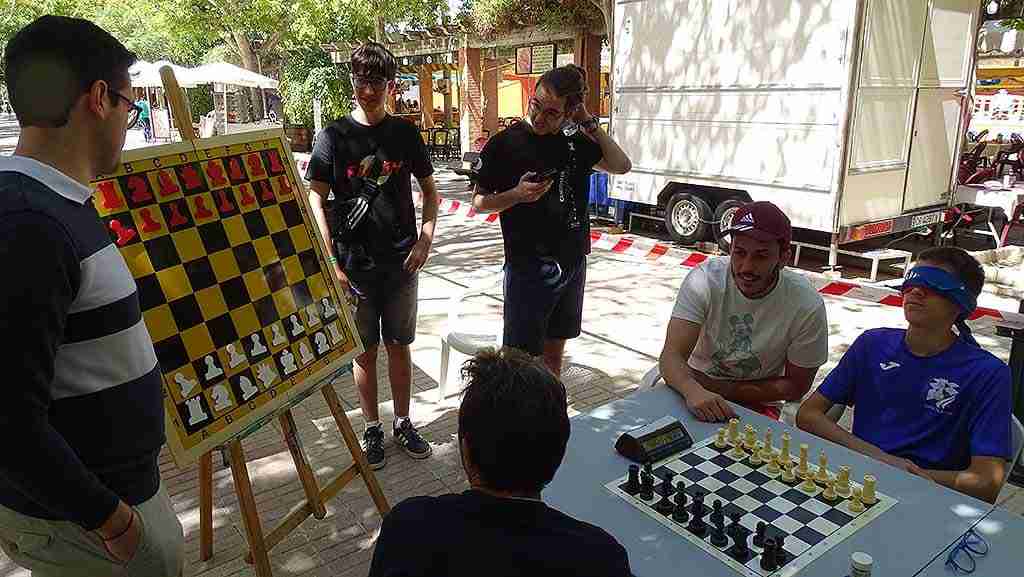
(472, 534)
(82, 412)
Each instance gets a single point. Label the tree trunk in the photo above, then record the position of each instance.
(249, 61)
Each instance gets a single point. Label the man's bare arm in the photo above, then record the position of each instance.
(790, 387)
(680, 339)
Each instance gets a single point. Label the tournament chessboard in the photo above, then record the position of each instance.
(230, 282)
(808, 524)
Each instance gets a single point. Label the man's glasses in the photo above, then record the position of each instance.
(360, 82)
(548, 112)
(134, 109)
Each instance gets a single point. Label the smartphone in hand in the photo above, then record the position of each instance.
(542, 176)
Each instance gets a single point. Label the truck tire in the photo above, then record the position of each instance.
(687, 218)
(723, 220)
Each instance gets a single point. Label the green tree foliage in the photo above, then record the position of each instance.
(488, 17)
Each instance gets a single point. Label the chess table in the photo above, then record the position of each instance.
(925, 520)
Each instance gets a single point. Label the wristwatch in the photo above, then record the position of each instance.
(589, 125)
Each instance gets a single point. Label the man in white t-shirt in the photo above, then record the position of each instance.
(745, 329)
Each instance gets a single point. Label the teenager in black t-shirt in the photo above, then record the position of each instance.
(513, 431)
(367, 161)
(538, 178)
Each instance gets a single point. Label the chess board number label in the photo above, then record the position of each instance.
(196, 414)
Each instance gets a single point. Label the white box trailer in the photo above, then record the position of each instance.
(845, 113)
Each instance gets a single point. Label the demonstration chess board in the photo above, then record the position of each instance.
(809, 524)
(232, 281)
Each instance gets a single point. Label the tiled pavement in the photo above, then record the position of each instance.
(623, 330)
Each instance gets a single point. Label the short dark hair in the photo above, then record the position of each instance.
(54, 60)
(374, 60)
(967, 268)
(567, 82)
(514, 419)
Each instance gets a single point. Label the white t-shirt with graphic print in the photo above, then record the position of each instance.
(745, 339)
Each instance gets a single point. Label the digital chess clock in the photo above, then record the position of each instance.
(654, 441)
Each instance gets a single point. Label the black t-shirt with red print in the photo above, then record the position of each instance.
(343, 156)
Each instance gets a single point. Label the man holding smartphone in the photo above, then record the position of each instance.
(537, 177)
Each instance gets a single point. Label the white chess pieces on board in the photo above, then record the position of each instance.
(288, 362)
(186, 384)
(278, 337)
(297, 327)
(258, 348)
(335, 334)
(249, 390)
(266, 374)
(312, 318)
(234, 358)
(305, 355)
(329, 311)
(321, 344)
(212, 370)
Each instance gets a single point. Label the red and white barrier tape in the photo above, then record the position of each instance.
(650, 249)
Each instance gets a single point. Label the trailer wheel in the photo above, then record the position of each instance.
(724, 213)
(687, 218)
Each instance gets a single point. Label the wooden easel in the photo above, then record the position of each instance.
(260, 543)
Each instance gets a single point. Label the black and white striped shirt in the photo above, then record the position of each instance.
(81, 407)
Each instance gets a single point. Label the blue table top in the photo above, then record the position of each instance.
(1003, 531)
(928, 519)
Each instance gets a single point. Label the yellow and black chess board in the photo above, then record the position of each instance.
(234, 288)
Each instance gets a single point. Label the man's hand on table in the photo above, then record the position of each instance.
(904, 465)
(707, 406)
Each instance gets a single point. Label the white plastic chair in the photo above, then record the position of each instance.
(466, 343)
(1017, 433)
(652, 377)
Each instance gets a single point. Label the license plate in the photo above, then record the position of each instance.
(925, 219)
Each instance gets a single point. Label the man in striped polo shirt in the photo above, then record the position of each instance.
(81, 410)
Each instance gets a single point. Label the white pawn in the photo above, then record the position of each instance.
(335, 334)
(328, 309)
(305, 355)
(212, 370)
(266, 374)
(312, 319)
(234, 359)
(288, 362)
(321, 344)
(257, 346)
(296, 325)
(278, 338)
(185, 383)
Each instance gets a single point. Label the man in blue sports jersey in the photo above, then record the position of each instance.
(928, 400)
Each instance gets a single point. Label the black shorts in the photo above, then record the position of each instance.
(543, 300)
(387, 311)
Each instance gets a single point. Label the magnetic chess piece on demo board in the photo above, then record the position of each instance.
(186, 384)
(266, 375)
(124, 234)
(312, 318)
(248, 389)
(201, 210)
(234, 358)
(278, 338)
(321, 344)
(212, 370)
(328, 309)
(297, 327)
(288, 362)
(335, 335)
(148, 224)
(305, 355)
(176, 218)
(258, 348)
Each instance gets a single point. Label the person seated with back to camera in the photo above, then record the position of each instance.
(928, 401)
(513, 432)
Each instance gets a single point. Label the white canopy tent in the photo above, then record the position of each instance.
(224, 73)
(147, 74)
